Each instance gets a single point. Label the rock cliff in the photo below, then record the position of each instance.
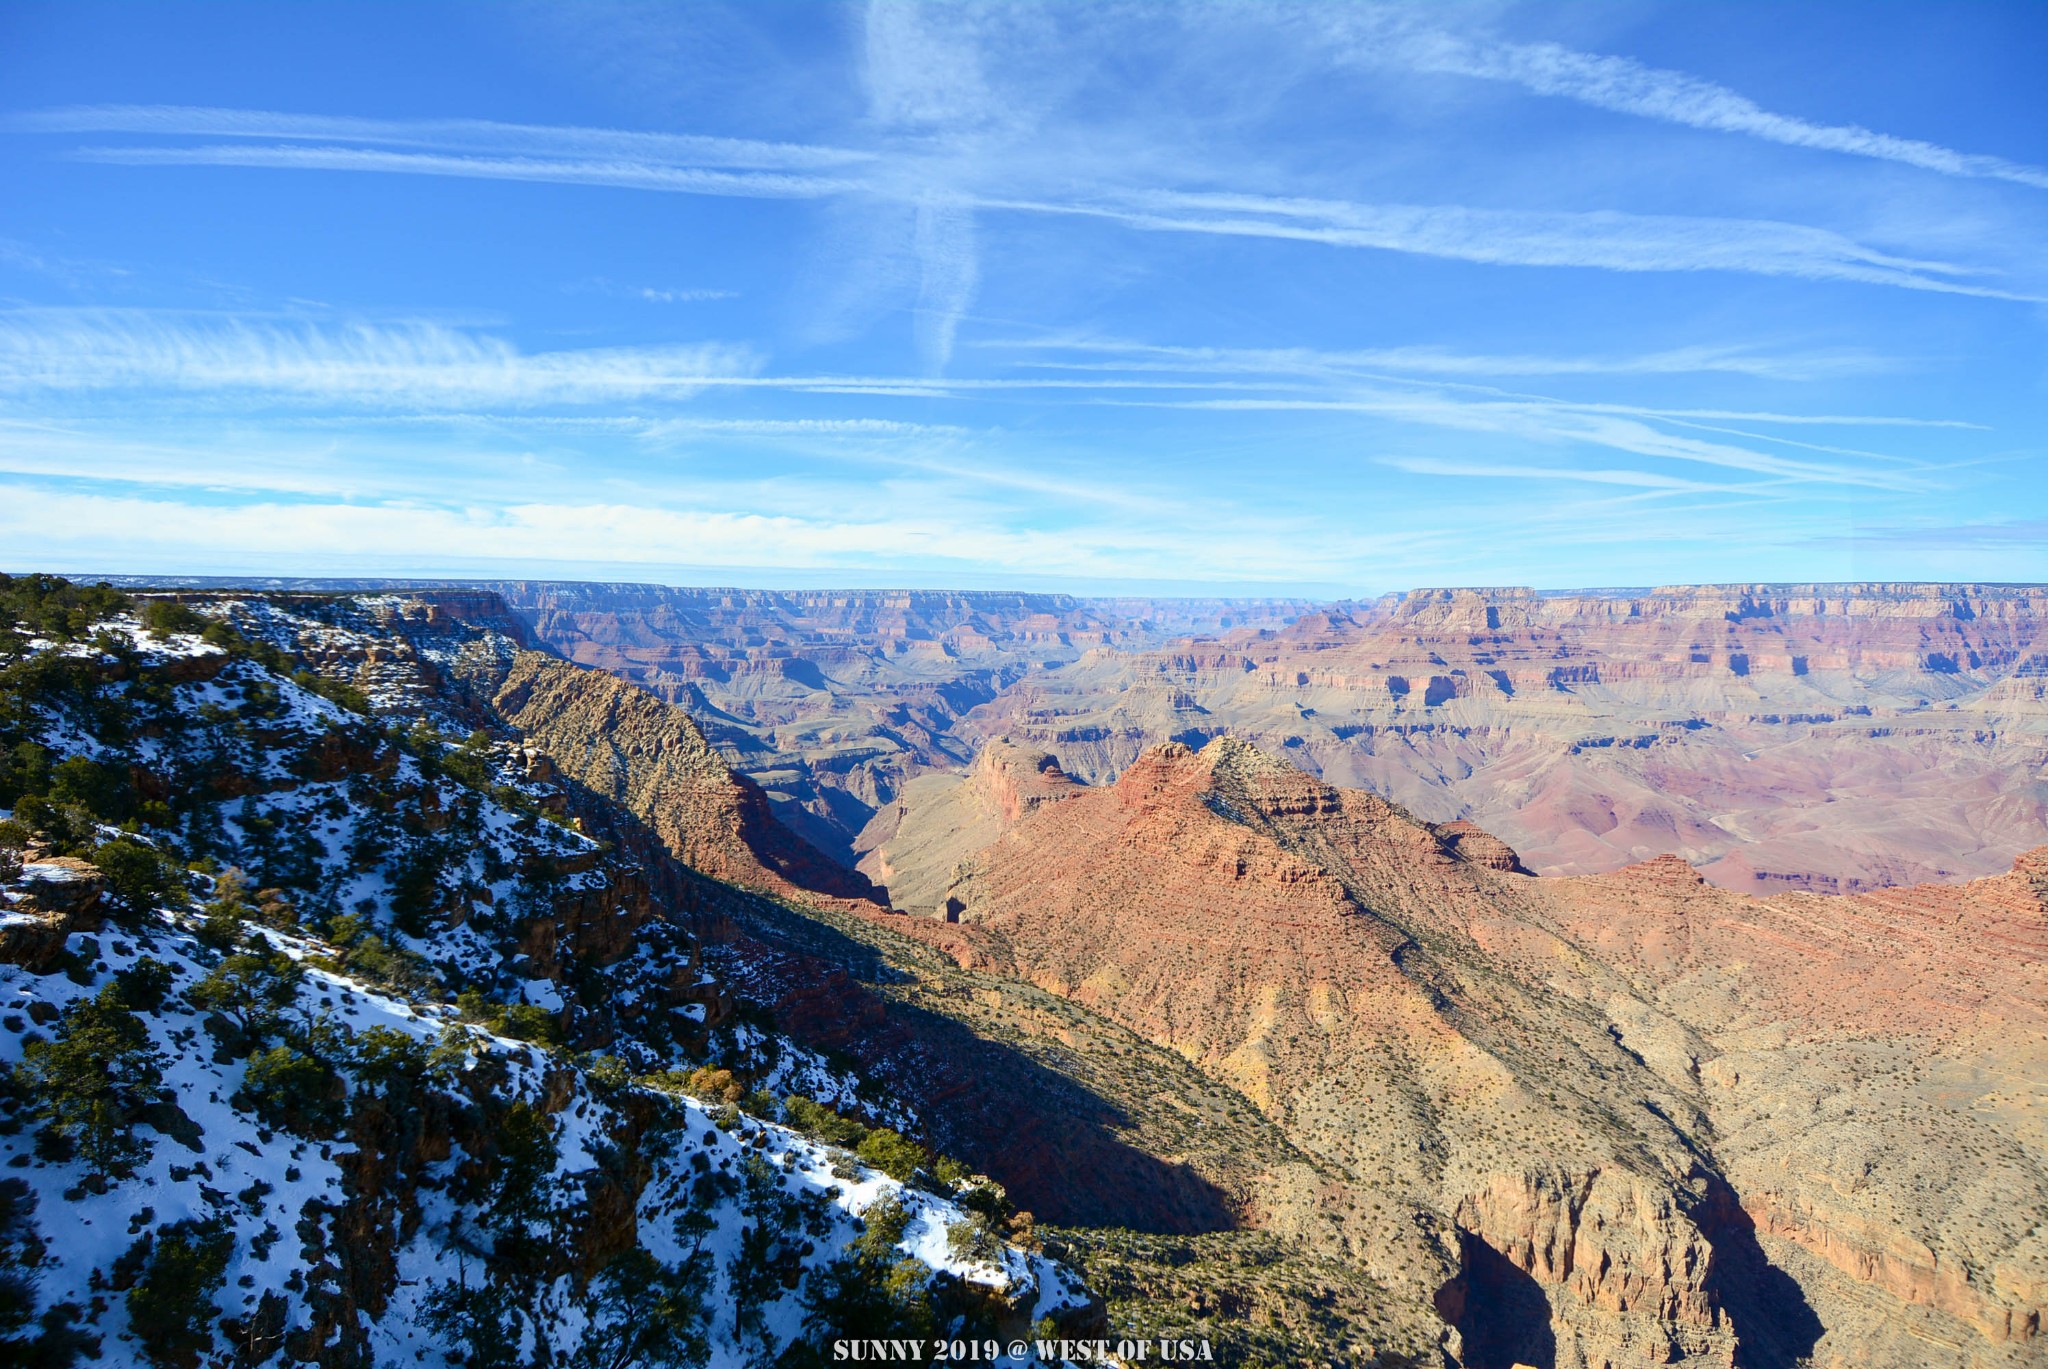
(832, 700)
(629, 747)
(1823, 737)
(1603, 1118)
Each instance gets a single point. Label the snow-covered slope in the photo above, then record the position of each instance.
(285, 1204)
(328, 1037)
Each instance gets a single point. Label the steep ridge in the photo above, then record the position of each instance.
(1163, 902)
(915, 843)
(291, 978)
(463, 657)
(831, 700)
(624, 744)
(1825, 737)
(1610, 1117)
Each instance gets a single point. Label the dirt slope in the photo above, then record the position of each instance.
(1644, 1115)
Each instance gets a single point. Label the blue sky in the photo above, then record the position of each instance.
(1328, 298)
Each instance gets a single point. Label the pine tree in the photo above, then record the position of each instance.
(91, 1084)
(645, 1315)
(252, 990)
(170, 1305)
(481, 1323)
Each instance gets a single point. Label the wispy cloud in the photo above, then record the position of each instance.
(477, 135)
(1388, 35)
(427, 364)
(944, 179)
(70, 271)
(652, 294)
(383, 365)
(926, 86)
(648, 292)
(2026, 534)
(1560, 424)
(1440, 361)
(1605, 239)
(642, 428)
(94, 456)
(875, 428)
(155, 530)
(949, 269)
(617, 172)
(1140, 362)
(1649, 480)
(428, 367)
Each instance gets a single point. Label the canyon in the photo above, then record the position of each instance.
(1486, 977)
(1660, 1119)
(1831, 738)
(1642, 974)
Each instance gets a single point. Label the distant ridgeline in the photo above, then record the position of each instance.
(338, 1026)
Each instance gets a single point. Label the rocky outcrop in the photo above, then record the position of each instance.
(1470, 842)
(1833, 738)
(2003, 1304)
(43, 901)
(1014, 782)
(1632, 1097)
(649, 757)
(915, 845)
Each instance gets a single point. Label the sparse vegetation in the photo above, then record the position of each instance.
(336, 865)
(92, 1083)
(1260, 1300)
(177, 1270)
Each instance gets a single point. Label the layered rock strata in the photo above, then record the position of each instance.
(1642, 1116)
(1832, 738)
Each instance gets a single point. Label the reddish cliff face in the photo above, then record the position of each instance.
(833, 700)
(648, 757)
(1687, 1122)
(915, 843)
(1830, 738)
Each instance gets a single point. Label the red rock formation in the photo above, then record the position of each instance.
(1575, 1072)
(1827, 737)
(648, 756)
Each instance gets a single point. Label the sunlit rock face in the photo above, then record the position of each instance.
(1656, 1116)
(1830, 738)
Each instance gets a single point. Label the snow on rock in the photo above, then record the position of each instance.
(282, 1195)
(302, 1081)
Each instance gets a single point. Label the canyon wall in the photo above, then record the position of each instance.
(1610, 1118)
(1823, 737)
(832, 700)
(1831, 738)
